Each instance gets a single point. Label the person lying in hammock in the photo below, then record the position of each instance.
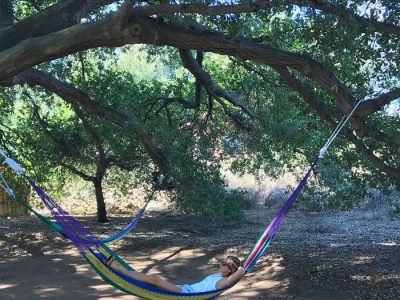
(229, 273)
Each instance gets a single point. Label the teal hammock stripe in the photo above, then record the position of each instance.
(131, 226)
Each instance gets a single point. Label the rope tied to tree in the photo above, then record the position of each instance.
(337, 130)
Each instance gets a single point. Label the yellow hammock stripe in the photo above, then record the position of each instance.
(130, 288)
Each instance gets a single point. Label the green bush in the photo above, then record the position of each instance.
(203, 192)
(341, 196)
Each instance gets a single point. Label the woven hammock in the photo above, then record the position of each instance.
(96, 252)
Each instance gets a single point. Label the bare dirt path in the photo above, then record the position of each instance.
(329, 255)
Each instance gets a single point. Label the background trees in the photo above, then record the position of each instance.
(261, 82)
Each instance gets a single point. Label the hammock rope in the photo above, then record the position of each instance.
(96, 252)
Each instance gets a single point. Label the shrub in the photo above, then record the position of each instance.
(203, 192)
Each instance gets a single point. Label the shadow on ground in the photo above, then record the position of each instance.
(313, 257)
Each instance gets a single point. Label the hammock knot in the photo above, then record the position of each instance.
(10, 192)
(322, 152)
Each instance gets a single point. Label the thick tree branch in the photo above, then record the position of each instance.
(369, 154)
(75, 171)
(362, 129)
(124, 12)
(344, 13)
(62, 15)
(324, 116)
(199, 59)
(205, 79)
(185, 104)
(107, 32)
(370, 106)
(338, 10)
(307, 95)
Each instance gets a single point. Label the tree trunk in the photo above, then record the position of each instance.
(101, 206)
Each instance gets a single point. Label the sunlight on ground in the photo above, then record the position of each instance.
(337, 245)
(47, 292)
(6, 286)
(57, 259)
(389, 243)
(108, 292)
(82, 268)
(362, 260)
(376, 278)
(72, 252)
(100, 287)
(120, 297)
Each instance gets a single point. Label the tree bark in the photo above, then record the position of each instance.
(101, 206)
(6, 13)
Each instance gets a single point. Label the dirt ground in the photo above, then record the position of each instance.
(328, 255)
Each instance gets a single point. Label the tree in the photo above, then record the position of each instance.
(329, 54)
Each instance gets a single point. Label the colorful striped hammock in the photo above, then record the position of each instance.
(96, 252)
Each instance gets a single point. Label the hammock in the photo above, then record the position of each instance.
(96, 252)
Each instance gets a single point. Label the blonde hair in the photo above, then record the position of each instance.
(233, 263)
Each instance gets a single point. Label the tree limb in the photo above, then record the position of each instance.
(107, 32)
(369, 106)
(185, 104)
(102, 162)
(199, 59)
(67, 148)
(205, 79)
(124, 11)
(338, 10)
(362, 129)
(59, 16)
(235, 118)
(75, 171)
(321, 111)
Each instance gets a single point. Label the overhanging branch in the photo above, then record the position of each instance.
(59, 16)
(324, 116)
(205, 79)
(372, 105)
(338, 10)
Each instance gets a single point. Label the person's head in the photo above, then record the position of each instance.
(229, 266)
